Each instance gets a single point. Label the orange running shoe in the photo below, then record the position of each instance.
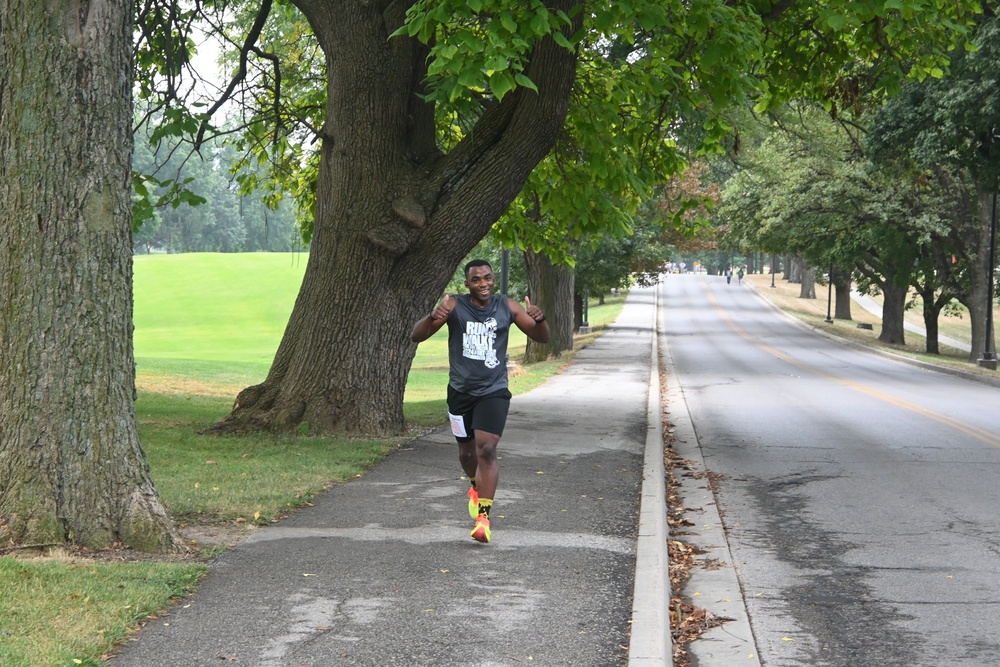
(481, 533)
(473, 502)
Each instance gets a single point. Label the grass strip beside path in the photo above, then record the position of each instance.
(70, 611)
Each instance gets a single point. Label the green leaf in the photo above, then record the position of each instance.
(712, 55)
(836, 22)
(603, 21)
(524, 81)
(472, 41)
(561, 40)
(501, 83)
(540, 23)
(471, 78)
(508, 22)
(496, 62)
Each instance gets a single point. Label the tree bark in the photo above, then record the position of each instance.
(807, 290)
(931, 311)
(394, 218)
(842, 294)
(893, 308)
(796, 266)
(553, 286)
(71, 466)
(981, 278)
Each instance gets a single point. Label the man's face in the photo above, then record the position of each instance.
(480, 281)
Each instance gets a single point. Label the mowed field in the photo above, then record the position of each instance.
(208, 324)
(210, 321)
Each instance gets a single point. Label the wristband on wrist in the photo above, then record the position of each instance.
(541, 320)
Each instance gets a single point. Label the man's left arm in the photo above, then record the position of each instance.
(530, 319)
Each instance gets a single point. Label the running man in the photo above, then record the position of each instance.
(478, 398)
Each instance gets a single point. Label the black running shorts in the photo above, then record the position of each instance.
(470, 413)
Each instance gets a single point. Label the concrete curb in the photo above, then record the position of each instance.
(650, 644)
(716, 589)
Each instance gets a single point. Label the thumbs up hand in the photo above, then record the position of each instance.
(444, 308)
(533, 311)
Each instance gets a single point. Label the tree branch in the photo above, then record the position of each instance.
(249, 45)
(513, 135)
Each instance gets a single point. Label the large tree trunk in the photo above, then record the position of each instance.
(842, 294)
(71, 467)
(807, 290)
(893, 308)
(394, 217)
(553, 286)
(931, 311)
(796, 266)
(981, 279)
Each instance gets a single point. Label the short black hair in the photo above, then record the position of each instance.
(476, 262)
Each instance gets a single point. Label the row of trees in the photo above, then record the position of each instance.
(403, 131)
(895, 194)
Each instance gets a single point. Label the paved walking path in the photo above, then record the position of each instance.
(381, 571)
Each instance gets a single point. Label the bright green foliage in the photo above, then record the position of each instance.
(647, 84)
(837, 51)
(276, 147)
(652, 81)
(653, 76)
(480, 45)
(171, 192)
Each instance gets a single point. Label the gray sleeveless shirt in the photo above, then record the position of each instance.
(477, 345)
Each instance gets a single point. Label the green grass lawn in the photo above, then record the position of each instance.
(214, 307)
(207, 325)
(63, 611)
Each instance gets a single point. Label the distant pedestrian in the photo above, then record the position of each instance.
(478, 397)
(729, 276)
(739, 274)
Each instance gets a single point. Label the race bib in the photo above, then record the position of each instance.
(457, 426)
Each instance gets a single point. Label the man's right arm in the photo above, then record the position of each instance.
(429, 325)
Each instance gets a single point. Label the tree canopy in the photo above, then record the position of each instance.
(406, 130)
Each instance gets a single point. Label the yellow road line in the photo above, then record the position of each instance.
(972, 431)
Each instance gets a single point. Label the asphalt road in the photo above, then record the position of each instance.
(860, 495)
